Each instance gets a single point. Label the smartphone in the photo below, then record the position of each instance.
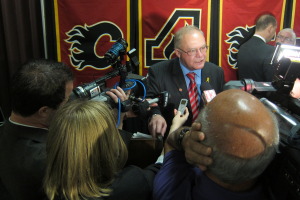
(183, 103)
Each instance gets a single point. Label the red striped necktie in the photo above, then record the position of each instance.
(193, 95)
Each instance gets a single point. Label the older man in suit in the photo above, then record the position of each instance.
(286, 36)
(254, 56)
(172, 76)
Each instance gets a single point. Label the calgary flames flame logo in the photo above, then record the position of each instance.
(236, 38)
(84, 42)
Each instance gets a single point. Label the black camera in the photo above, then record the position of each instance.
(282, 178)
(114, 57)
(118, 49)
(286, 65)
(96, 90)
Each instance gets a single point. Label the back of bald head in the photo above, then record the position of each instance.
(242, 132)
(247, 125)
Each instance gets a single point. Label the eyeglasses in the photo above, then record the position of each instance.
(284, 38)
(192, 52)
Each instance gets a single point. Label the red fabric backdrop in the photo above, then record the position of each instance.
(85, 31)
(296, 18)
(158, 22)
(237, 22)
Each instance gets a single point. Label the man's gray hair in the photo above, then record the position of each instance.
(292, 32)
(229, 168)
(182, 31)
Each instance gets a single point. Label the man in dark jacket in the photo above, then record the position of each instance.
(254, 56)
(172, 76)
(38, 89)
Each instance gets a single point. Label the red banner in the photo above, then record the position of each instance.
(159, 20)
(85, 31)
(296, 18)
(237, 21)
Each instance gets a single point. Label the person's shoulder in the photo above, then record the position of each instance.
(270, 47)
(23, 142)
(131, 183)
(165, 64)
(212, 66)
(250, 41)
(10, 133)
(130, 171)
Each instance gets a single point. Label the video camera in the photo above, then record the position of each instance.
(282, 176)
(96, 89)
(286, 64)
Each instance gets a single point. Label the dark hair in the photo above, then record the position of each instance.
(39, 83)
(264, 21)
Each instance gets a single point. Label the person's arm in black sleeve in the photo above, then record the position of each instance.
(157, 124)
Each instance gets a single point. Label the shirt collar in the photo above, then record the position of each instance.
(19, 124)
(186, 70)
(260, 37)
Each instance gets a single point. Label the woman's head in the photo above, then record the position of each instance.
(84, 149)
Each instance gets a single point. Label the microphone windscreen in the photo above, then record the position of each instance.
(208, 93)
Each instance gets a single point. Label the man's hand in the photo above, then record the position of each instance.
(157, 125)
(196, 153)
(179, 119)
(116, 94)
(295, 93)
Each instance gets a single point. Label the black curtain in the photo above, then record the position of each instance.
(21, 39)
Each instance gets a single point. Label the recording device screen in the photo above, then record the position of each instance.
(286, 60)
(183, 102)
(182, 105)
(289, 51)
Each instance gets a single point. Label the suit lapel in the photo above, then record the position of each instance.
(205, 75)
(178, 79)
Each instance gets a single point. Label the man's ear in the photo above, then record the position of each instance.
(178, 53)
(270, 28)
(45, 115)
(44, 111)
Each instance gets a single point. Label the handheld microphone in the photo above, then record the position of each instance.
(208, 93)
(141, 108)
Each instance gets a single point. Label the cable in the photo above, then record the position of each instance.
(126, 89)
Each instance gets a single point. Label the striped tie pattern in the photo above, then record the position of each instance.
(193, 95)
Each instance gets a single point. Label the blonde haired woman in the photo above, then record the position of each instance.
(86, 156)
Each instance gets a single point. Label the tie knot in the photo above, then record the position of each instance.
(191, 76)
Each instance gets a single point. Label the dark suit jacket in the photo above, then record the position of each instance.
(134, 183)
(253, 60)
(23, 164)
(168, 76)
(23, 160)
